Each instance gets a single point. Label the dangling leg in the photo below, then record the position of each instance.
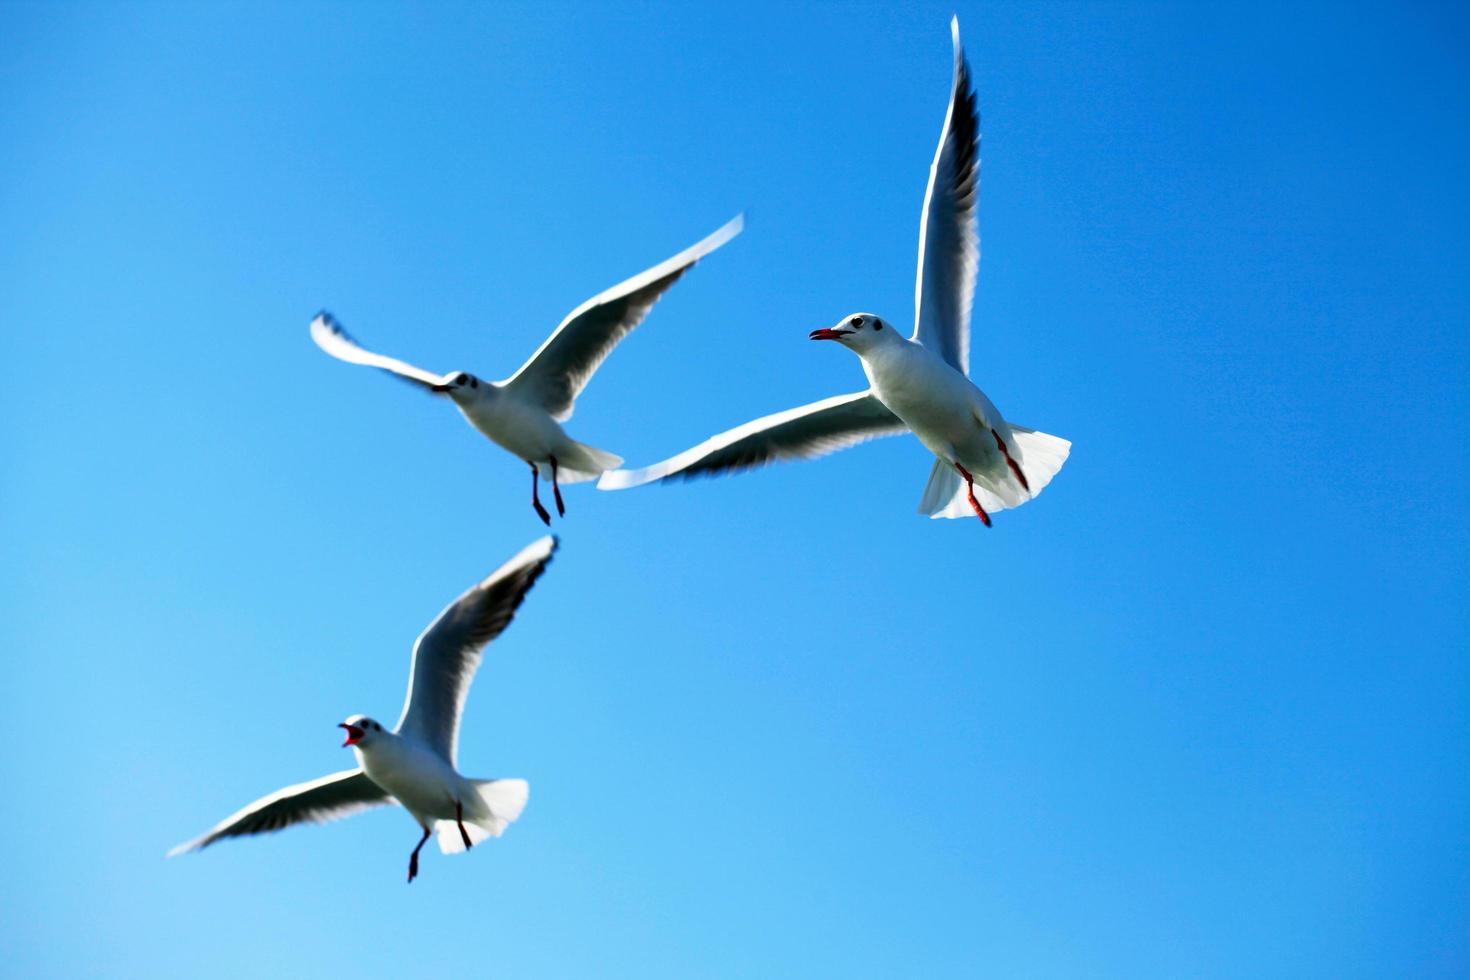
(1001, 445)
(561, 510)
(459, 819)
(536, 500)
(413, 859)
(970, 486)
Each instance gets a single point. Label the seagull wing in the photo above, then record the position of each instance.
(328, 798)
(799, 433)
(330, 337)
(448, 652)
(562, 366)
(949, 241)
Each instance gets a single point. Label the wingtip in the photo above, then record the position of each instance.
(184, 848)
(723, 234)
(325, 328)
(539, 550)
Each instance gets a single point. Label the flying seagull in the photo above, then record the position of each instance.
(413, 765)
(918, 384)
(523, 414)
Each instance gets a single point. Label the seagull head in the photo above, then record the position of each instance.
(858, 332)
(461, 386)
(361, 730)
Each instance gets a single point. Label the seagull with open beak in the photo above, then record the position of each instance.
(413, 764)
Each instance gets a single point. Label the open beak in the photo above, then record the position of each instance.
(827, 333)
(354, 734)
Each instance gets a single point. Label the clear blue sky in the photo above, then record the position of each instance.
(1201, 710)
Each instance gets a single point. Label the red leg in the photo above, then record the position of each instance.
(459, 819)
(535, 499)
(1001, 445)
(413, 859)
(970, 486)
(561, 510)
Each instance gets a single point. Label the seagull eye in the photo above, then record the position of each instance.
(474, 382)
(856, 321)
(877, 324)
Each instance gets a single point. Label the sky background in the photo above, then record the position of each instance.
(1200, 710)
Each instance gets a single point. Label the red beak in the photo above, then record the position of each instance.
(354, 734)
(826, 333)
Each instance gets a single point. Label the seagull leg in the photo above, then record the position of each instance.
(561, 510)
(1001, 445)
(413, 859)
(536, 500)
(459, 819)
(970, 486)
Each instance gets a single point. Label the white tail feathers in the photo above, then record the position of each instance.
(496, 805)
(583, 463)
(1041, 457)
(944, 483)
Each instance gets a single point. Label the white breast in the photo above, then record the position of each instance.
(932, 398)
(419, 778)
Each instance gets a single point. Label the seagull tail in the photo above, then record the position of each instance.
(493, 805)
(578, 462)
(1041, 457)
(944, 483)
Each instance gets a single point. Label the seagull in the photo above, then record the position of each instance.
(524, 413)
(918, 384)
(413, 765)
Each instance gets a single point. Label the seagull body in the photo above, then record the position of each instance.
(523, 414)
(529, 432)
(414, 764)
(938, 404)
(919, 384)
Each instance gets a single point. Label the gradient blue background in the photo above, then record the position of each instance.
(1201, 710)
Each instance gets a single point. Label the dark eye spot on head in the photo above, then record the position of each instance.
(877, 324)
(474, 382)
(856, 321)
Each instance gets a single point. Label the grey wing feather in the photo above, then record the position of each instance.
(330, 337)
(949, 240)
(318, 801)
(799, 433)
(562, 366)
(449, 651)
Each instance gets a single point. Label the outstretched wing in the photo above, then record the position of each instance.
(330, 337)
(949, 241)
(328, 798)
(448, 652)
(800, 433)
(562, 366)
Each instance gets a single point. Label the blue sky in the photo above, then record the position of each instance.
(1199, 710)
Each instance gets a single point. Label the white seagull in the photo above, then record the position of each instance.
(523, 414)
(413, 765)
(920, 384)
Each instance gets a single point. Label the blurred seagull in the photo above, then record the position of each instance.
(920, 384)
(413, 764)
(523, 414)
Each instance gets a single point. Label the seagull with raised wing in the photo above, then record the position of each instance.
(918, 384)
(523, 414)
(414, 764)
